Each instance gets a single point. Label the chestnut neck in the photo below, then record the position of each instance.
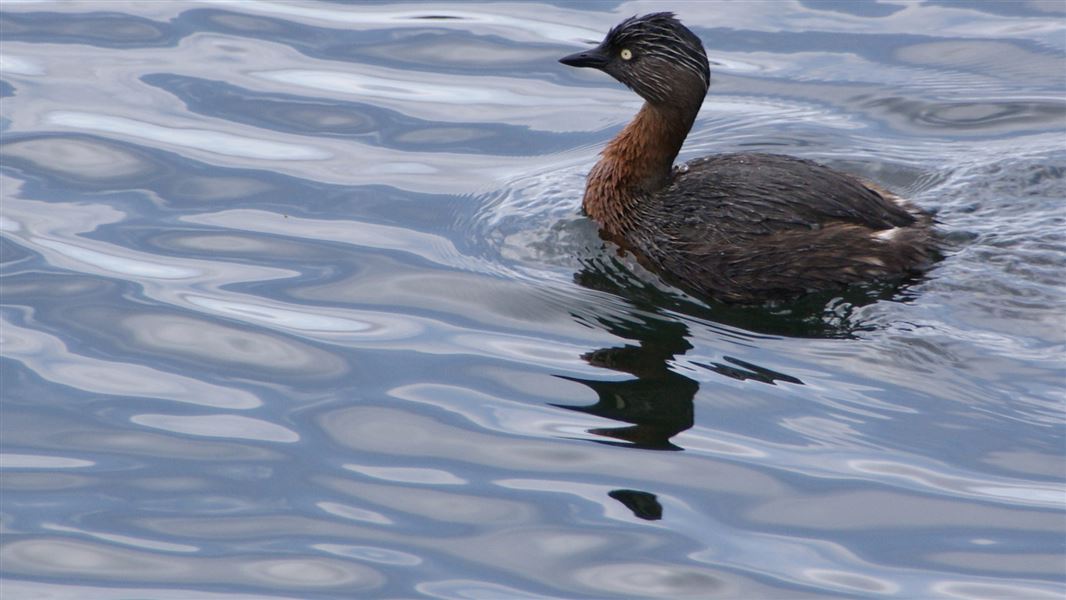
(637, 163)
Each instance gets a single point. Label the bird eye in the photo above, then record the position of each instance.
(626, 54)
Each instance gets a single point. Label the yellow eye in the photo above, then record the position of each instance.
(626, 54)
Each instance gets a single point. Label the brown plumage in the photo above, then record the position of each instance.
(734, 227)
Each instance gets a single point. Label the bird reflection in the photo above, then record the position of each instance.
(643, 504)
(658, 402)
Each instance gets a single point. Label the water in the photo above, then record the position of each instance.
(297, 303)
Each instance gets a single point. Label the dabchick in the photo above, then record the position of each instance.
(733, 227)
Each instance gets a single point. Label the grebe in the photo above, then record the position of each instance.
(733, 227)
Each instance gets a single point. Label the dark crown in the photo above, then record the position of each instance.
(660, 35)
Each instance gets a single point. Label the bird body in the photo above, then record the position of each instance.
(734, 227)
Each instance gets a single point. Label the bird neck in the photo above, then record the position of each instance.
(637, 163)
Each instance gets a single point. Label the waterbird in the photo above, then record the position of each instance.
(738, 227)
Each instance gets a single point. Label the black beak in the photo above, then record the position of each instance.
(595, 58)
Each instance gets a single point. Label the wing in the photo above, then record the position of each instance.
(765, 193)
(741, 226)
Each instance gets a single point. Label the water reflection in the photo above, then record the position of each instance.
(658, 403)
(644, 505)
(831, 314)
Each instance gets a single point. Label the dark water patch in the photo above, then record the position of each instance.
(329, 43)
(105, 318)
(12, 255)
(1007, 8)
(465, 55)
(78, 162)
(104, 29)
(955, 119)
(209, 346)
(28, 288)
(882, 49)
(441, 49)
(52, 165)
(365, 122)
(207, 243)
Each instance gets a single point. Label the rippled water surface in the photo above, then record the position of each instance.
(298, 303)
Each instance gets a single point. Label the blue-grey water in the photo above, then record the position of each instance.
(298, 303)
